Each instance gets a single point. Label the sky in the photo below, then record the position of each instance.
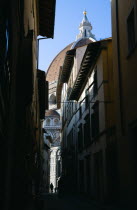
(68, 16)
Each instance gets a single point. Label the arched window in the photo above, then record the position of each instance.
(56, 121)
(52, 99)
(48, 122)
(58, 152)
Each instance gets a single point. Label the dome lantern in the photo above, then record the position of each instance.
(85, 28)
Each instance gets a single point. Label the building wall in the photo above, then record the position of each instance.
(46, 167)
(24, 120)
(52, 95)
(53, 167)
(125, 95)
(22, 136)
(52, 126)
(88, 153)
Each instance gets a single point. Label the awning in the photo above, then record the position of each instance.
(67, 65)
(46, 17)
(88, 61)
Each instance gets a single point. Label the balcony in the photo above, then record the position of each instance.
(52, 127)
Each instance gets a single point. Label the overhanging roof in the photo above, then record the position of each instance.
(89, 59)
(46, 17)
(67, 65)
(64, 73)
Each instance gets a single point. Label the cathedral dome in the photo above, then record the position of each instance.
(83, 38)
(53, 70)
(81, 42)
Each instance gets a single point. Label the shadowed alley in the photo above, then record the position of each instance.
(68, 135)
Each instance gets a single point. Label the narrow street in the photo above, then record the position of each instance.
(70, 202)
(54, 202)
(68, 107)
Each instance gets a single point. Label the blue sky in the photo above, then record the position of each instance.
(68, 15)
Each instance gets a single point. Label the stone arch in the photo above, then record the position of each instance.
(56, 121)
(48, 121)
(52, 99)
(58, 152)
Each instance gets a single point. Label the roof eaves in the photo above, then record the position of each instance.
(67, 65)
(46, 17)
(88, 61)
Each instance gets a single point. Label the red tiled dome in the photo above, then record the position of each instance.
(81, 42)
(51, 113)
(53, 70)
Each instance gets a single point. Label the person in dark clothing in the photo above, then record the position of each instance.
(51, 187)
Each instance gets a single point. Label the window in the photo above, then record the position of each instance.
(80, 111)
(56, 122)
(48, 122)
(131, 30)
(95, 120)
(70, 140)
(95, 86)
(87, 140)
(86, 99)
(80, 138)
(68, 113)
(52, 99)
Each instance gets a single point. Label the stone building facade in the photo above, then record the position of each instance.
(52, 77)
(46, 162)
(22, 90)
(124, 34)
(52, 126)
(87, 93)
(88, 143)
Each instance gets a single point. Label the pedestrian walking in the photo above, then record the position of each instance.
(51, 187)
